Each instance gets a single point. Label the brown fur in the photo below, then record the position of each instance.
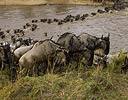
(47, 50)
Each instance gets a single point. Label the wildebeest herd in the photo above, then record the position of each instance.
(29, 57)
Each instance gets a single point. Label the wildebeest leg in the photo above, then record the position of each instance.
(42, 69)
(90, 61)
(124, 69)
(14, 73)
(22, 71)
(77, 65)
(125, 66)
(12, 69)
(50, 64)
(35, 69)
(56, 65)
(2, 67)
(105, 64)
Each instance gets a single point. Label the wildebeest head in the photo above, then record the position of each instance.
(5, 53)
(102, 43)
(19, 42)
(106, 44)
(61, 56)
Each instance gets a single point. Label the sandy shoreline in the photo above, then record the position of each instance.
(41, 2)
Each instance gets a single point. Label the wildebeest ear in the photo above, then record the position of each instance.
(61, 47)
(36, 44)
(108, 35)
(102, 37)
(66, 51)
(58, 50)
(97, 38)
(51, 37)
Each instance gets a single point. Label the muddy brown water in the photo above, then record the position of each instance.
(116, 23)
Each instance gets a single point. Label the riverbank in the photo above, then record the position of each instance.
(94, 83)
(41, 2)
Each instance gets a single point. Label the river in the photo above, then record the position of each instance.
(116, 23)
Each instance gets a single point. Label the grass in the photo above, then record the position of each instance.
(94, 83)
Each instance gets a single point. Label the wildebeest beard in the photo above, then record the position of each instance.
(106, 51)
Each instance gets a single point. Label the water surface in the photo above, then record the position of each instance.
(116, 23)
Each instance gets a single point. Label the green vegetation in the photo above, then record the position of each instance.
(94, 83)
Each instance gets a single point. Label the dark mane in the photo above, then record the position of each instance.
(89, 35)
(51, 41)
(64, 35)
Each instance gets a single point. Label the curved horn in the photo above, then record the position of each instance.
(108, 34)
(102, 36)
(51, 37)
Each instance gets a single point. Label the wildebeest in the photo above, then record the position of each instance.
(105, 45)
(71, 42)
(124, 68)
(6, 56)
(19, 42)
(47, 52)
(16, 43)
(75, 47)
(95, 43)
(107, 9)
(100, 11)
(33, 27)
(20, 51)
(6, 61)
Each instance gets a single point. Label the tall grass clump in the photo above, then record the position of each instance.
(117, 62)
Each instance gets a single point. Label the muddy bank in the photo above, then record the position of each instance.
(40, 2)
